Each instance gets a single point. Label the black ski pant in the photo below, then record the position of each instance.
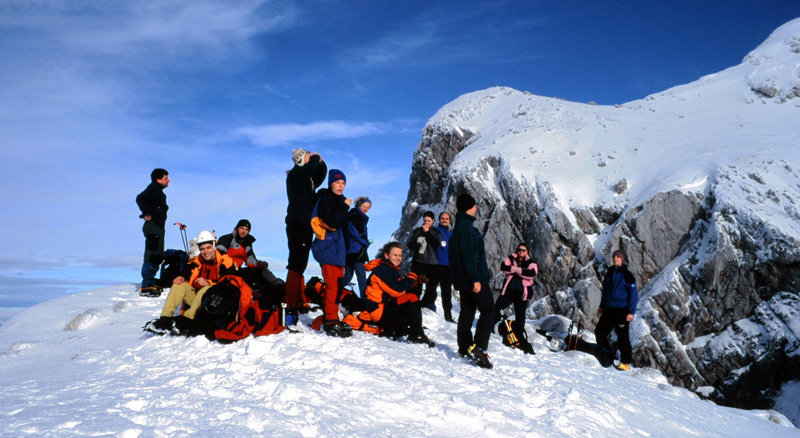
(299, 237)
(153, 252)
(471, 302)
(400, 319)
(512, 296)
(442, 279)
(430, 271)
(615, 319)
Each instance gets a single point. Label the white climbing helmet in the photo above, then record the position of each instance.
(206, 236)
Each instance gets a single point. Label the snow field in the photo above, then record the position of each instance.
(80, 365)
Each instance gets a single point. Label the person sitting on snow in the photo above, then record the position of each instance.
(239, 247)
(389, 299)
(207, 269)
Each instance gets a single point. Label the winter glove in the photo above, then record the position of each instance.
(262, 264)
(423, 244)
(422, 279)
(407, 298)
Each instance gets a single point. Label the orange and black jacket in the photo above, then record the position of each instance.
(386, 283)
(240, 250)
(212, 270)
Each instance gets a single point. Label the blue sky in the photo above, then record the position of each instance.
(94, 95)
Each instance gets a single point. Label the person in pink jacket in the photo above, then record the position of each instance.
(520, 270)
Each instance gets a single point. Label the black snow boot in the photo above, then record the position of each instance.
(479, 357)
(161, 326)
(420, 338)
(338, 329)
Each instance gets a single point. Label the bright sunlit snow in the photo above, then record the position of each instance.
(80, 365)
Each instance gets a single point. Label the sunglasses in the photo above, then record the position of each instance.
(522, 250)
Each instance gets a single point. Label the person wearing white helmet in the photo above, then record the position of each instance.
(207, 269)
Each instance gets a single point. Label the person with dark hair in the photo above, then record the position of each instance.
(442, 277)
(519, 269)
(470, 275)
(357, 243)
(617, 308)
(302, 181)
(424, 244)
(389, 299)
(328, 220)
(239, 247)
(152, 203)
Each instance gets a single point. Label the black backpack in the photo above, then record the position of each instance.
(175, 264)
(220, 304)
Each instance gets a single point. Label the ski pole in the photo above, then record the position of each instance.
(184, 239)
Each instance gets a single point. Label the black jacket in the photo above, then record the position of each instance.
(301, 185)
(152, 201)
(433, 240)
(467, 254)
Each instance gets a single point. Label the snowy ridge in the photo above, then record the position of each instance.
(698, 184)
(80, 365)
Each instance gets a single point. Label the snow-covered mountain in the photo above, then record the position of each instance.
(81, 366)
(699, 184)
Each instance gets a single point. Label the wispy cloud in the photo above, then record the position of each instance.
(287, 133)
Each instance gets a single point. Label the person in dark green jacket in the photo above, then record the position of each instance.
(470, 275)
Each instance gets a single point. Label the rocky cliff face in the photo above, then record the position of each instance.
(709, 215)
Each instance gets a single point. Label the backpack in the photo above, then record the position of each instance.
(234, 314)
(220, 303)
(175, 264)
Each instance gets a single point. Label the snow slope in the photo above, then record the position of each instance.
(80, 365)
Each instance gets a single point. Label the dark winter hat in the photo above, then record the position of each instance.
(299, 156)
(620, 253)
(244, 223)
(464, 202)
(335, 175)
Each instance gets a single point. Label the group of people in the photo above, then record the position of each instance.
(322, 222)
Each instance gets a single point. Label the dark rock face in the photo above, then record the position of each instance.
(718, 285)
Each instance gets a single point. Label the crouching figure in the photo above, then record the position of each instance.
(388, 299)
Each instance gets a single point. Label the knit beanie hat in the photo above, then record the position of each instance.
(299, 156)
(362, 200)
(335, 175)
(464, 202)
(244, 223)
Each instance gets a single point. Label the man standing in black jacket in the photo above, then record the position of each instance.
(153, 204)
(302, 182)
(470, 275)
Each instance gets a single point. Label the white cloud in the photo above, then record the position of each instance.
(286, 133)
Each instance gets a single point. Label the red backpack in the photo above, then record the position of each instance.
(250, 318)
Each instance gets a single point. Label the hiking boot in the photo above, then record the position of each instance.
(478, 357)
(525, 346)
(161, 326)
(623, 366)
(150, 291)
(338, 329)
(420, 338)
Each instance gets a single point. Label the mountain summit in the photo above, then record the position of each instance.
(698, 184)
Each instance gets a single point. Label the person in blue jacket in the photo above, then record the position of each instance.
(357, 242)
(617, 307)
(442, 279)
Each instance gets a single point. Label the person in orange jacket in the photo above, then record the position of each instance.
(388, 298)
(207, 269)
